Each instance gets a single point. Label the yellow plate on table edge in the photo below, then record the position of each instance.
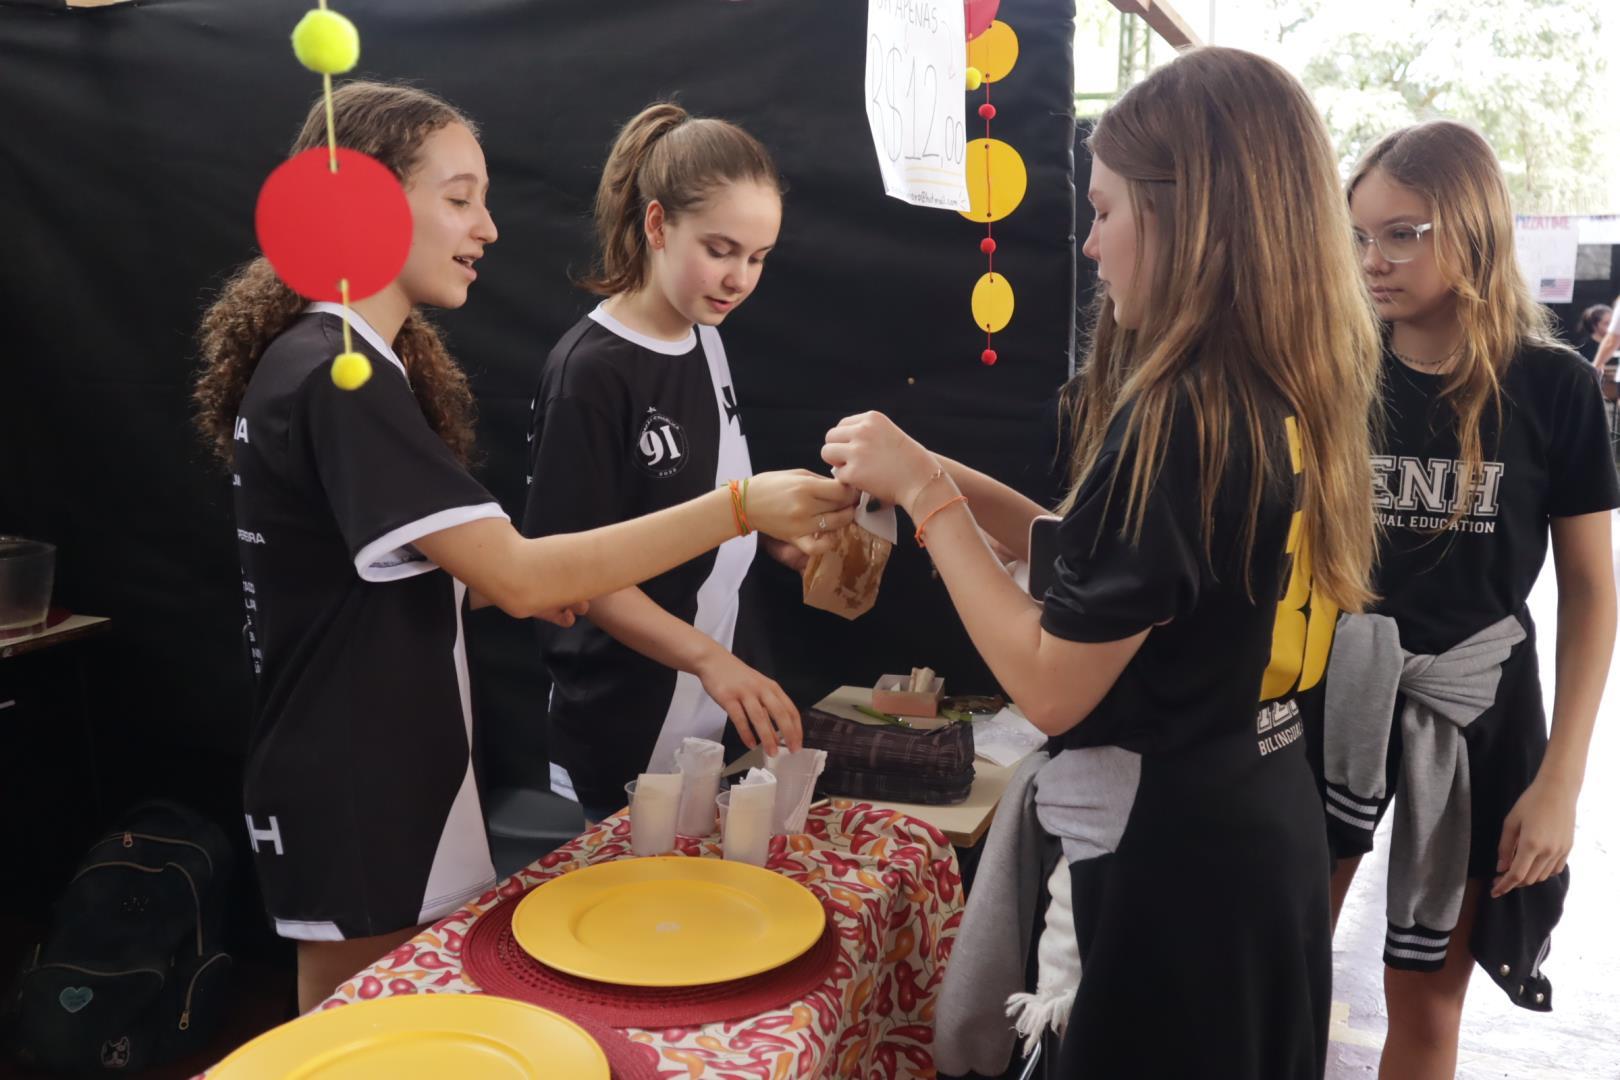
(668, 921)
(421, 1037)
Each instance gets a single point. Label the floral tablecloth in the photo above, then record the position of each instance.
(892, 889)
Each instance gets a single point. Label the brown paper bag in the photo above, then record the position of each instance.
(845, 580)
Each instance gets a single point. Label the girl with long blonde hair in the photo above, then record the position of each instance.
(1494, 441)
(1220, 487)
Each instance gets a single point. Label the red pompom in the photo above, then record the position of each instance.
(988, 246)
(988, 358)
(987, 111)
(317, 226)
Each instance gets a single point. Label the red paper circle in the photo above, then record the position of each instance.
(988, 246)
(979, 14)
(988, 358)
(317, 226)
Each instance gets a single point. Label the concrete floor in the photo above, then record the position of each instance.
(1580, 1038)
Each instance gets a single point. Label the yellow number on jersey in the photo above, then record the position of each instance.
(1303, 633)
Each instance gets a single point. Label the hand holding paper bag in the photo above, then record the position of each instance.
(845, 580)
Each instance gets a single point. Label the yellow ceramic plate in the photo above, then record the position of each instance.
(421, 1037)
(668, 921)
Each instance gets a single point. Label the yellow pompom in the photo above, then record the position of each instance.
(975, 78)
(350, 371)
(326, 42)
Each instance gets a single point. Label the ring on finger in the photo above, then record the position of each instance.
(821, 524)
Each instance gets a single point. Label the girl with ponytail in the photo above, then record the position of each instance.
(636, 411)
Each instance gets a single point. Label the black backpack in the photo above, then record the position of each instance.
(132, 973)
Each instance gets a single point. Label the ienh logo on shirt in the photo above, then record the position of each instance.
(1433, 487)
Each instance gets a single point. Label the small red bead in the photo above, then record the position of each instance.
(988, 245)
(987, 111)
(988, 358)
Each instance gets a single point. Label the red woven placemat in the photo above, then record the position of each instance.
(626, 1060)
(492, 958)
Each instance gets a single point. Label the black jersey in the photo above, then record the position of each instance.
(624, 425)
(1443, 581)
(1184, 803)
(361, 803)
(1550, 458)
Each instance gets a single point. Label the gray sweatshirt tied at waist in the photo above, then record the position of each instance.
(1429, 846)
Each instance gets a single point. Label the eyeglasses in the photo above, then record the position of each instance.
(1398, 242)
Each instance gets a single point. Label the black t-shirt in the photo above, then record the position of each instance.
(1442, 585)
(1198, 675)
(624, 425)
(1588, 349)
(360, 748)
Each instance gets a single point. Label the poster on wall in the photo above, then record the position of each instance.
(1600, 229)
(916, 61)
(1547, 254)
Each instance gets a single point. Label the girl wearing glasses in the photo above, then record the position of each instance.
(1493, 439)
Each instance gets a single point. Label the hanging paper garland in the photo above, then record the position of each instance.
(996, 175)
(334, 224)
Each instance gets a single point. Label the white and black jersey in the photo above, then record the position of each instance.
(361, 802)
(624, 425)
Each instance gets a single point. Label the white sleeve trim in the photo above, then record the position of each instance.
(390, 558)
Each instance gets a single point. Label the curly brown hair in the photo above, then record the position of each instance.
(390, 122)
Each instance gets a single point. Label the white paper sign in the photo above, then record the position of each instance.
(916, 58)
(1546, 248)
(1600, 229)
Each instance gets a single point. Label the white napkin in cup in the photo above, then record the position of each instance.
(795, 772)
(699, 762)
(652, 813)
(748, 818)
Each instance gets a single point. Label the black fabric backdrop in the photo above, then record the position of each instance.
(137, 137)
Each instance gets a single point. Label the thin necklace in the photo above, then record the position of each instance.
(1429, 367)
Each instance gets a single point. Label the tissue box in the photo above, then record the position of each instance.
(891, 695)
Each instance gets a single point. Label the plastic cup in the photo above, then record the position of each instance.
(652, 820)
(722, 803)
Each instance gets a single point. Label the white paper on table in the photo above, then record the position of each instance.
(1005, 738)
(796, 772)
(916, 66)
(699, 762)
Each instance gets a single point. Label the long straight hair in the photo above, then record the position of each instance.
(1452, 167)
(1255, 296)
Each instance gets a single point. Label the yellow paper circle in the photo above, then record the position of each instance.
(992, 303)
(994, 52)
(350, 371)
(993, 198)
(326, 42)
(975, 78)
